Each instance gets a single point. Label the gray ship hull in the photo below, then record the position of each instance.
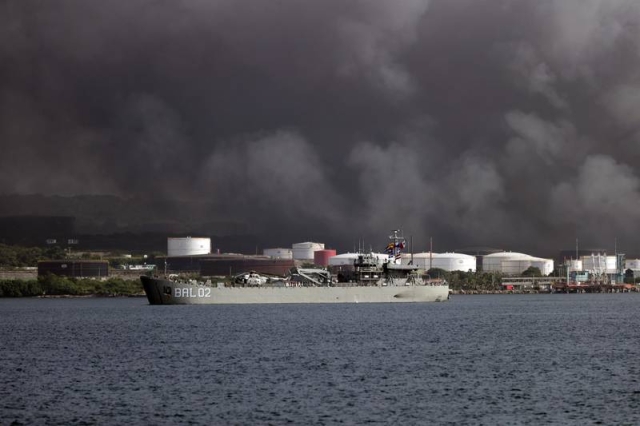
(167, 292)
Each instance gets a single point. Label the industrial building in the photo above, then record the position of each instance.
(179, 263)
(577, 253)
(599, 266)
(74, 268)
(598, 263)
(223, 264)
(233, 265)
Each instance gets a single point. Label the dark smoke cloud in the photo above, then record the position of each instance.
(478, 122)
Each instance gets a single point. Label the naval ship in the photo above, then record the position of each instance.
(374, 282)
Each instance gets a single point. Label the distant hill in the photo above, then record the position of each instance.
(105, 214)
(113, 223)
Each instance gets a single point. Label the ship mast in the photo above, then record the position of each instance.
(396, 247)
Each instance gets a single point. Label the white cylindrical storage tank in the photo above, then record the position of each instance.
(574, 265)
(278, 253)
(304, 251)
(382, 258)
(545, 265)
(343, 259)
(594, 262)
(599, 263)
(454, 262)
(421, 260)
(188, 246)
(633, 264)
(512, 263)
(494, 262)
(515, 266)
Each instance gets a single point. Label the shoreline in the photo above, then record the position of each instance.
(453, 293)
(79, 296)
(501, 292)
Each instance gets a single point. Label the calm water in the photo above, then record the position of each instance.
(528, 359)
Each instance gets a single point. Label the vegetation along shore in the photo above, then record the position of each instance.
(52, 285)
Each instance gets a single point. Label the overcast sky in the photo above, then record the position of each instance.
(505, 123)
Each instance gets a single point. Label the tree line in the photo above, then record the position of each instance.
(469, 281)
(53, 285)
(20, 257)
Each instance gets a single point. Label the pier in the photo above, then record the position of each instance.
(530, 284)
(560, 285)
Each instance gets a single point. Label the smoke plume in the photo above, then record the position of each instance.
(512, 124)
